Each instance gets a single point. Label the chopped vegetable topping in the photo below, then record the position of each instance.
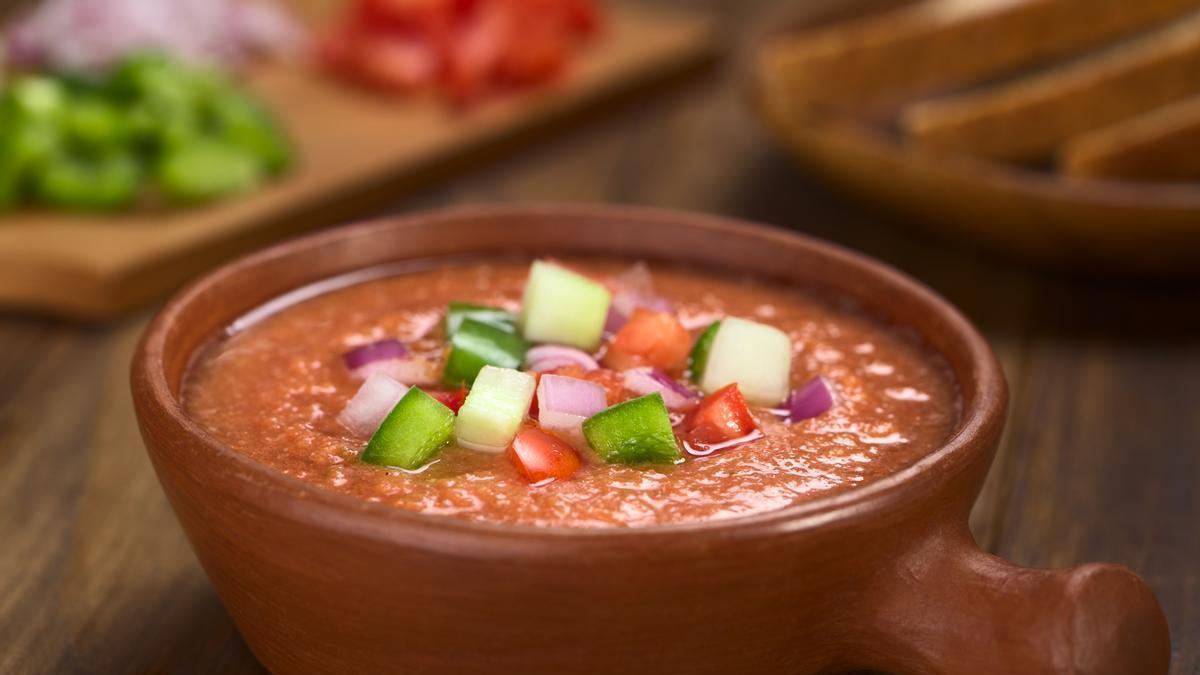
(494, 410)
(654, 339)
(457, 312)
(547, 358)
(811, 400)
(380, 350)
(563, 307)
(642, 381)
(755, 356)
(611, 380)
(374, 400)
(541, 457)
(634, 432)
(476, 344)
(565, 402)
(452, 399)
(698, 359)
(721, 417)
(412, 433)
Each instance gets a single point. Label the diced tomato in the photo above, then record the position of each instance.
(540, 456)
(721, 417)
(452, 399)
(650, 339)
(611, 380)
(468, 49)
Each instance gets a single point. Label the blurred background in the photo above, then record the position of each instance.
(1038, 170)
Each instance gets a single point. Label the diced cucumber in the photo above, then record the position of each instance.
(755, 356)
(563, 307)
(698, 359)
(476, 344)
(457, 312)
(634, 432)
(494, 409)
(412, 433)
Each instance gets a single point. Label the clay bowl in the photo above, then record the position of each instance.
(1092, 225)
(886, 576)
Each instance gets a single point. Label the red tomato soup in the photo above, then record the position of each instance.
(276, 387)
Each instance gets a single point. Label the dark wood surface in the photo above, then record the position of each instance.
(1101, 460)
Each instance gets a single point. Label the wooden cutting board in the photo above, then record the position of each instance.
(356, 150)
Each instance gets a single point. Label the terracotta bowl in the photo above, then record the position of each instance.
(886, 576)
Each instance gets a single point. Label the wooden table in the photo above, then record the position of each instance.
(1101, 460)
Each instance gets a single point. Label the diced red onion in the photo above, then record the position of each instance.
(614, 321)
(381, 350)
(414, 370)
(565, 402)
(642, 381)
(633, 289)
(392, 358)
(811, 400)
(546, 358)
(627, 302)
(103, 31)
(374, 400)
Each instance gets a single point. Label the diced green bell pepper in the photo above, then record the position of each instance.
(243, 123)
(637, 431)
(457, 312)
(476, 344)
(107, 182)
(95, 123)
(416, 429)
(204, 170)
(698, 359)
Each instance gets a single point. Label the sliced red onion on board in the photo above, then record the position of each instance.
(381, 350)
(676, 396)
(104, 31)
(813, 399)
(374, 400)
(546, 358)
(565, 402)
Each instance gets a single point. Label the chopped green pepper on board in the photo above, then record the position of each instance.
(151, 126)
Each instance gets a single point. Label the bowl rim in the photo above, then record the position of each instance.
(982, 417)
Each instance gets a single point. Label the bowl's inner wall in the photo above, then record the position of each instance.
(205, 311)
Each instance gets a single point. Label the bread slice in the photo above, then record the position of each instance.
(933, 45)
(1027, 118)
(1161, 145)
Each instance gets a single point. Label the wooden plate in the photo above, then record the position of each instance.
(356, 150)
(1104, 225)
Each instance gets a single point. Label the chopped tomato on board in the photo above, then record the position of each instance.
(466, 49)
(540, 456)
(721, 417)
(655, 339)
(452, 399)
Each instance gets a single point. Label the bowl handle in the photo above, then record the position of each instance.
(948, 607)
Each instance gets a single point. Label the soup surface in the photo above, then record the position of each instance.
(273, 389)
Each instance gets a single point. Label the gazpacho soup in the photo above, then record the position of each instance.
(573, 393)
